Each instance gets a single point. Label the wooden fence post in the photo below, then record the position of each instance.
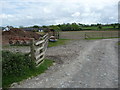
(58, 35)
(102, 35)
(37, 51)
(111, 34)
(85, 35)
(32, 49)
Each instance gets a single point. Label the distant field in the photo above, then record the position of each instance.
(90, 34)
(96, 28)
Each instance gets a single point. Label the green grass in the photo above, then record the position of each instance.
(7, 81)
(101, 38)
(57, 43)
(90, 27)
(96, 27)
(118, 43)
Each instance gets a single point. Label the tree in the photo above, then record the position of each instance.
(119, 26)
(44, 26)
(21, 27)
(35, 26)
(35, 30)
(100, 27)
(114, 25)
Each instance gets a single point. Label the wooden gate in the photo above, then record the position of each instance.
(38, 49)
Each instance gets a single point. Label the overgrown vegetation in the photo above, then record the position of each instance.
(17, 66)
(59, 42)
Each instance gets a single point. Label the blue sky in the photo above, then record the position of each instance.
(48, 12)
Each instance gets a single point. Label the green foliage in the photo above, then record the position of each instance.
(35, 30)
(44, 26)
(78, 27)
(17, 66)
(70, 27)
(119, 26)
(21, 27)
(100, 27)
(55, 27)
(35, 26)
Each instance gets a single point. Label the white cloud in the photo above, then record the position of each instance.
(76, 14)
(6, 16)
(45, 12)
(29, 17)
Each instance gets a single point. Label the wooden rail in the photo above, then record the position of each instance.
(38, 49)
(101, 34)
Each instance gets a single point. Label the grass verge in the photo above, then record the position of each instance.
(7, 81)
(59, 42)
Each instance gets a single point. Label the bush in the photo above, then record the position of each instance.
(17, 67)
(15, 64)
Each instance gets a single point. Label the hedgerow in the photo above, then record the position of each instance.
(15, 63)
(17, 67)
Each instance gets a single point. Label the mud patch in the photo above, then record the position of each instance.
(57, 59)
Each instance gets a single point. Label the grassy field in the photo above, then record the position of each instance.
(96, 28)
(59, 42)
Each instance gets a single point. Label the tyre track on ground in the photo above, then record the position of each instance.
(85, 64)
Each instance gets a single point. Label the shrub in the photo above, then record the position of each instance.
(15, 64)
(17, 67)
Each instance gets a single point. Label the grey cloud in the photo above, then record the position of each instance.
(54, 12)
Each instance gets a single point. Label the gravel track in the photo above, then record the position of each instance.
(79, 64)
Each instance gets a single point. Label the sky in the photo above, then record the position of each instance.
(47, 12)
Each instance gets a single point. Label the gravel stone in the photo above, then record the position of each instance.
(79, 64)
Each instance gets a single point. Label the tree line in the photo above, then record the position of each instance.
(79, 27)
(74, 27)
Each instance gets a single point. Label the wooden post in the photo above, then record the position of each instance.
(85, 35)
(32, 48)
(111, 34)
(102, 35)
(57, 34)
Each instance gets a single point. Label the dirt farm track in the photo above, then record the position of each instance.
(79, 63)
